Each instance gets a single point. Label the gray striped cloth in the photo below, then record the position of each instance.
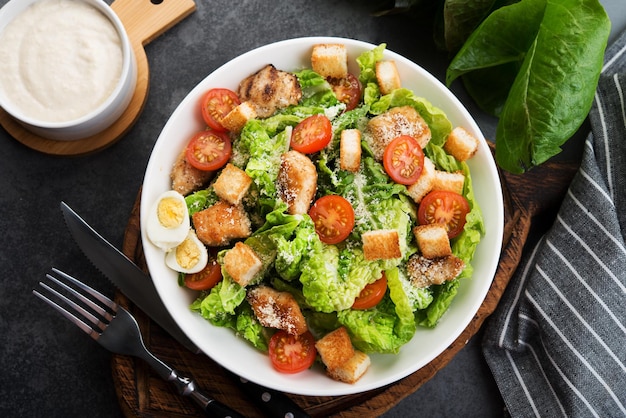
(556, 344)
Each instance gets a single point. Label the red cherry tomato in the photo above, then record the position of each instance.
(347, 90)
(312, 134)
(208, 150)
(292, 353)
(404, 160)
(207, 277)
(333, 217)
(216, 104)
(445, 207)
(371, 294)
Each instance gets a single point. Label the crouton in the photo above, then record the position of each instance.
(432, 240)
(221, 223)
(330, 60)
(274, 309)
(186, 178)
(335, 348)
(236, 119)
(397, 121)
(424, 272)
(242, 263)
(424, 183)
(270, 89)
(350, 150)
(451, 182)
(297, 181)
(352, 370)
(381, 244)
(232, 184)
(461, 144)
(387, 76)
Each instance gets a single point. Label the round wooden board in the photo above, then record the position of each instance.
(143, 21)
(143, 394)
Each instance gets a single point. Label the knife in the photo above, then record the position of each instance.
(139, 288)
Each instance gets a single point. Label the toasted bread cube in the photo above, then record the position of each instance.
(352, 370)
(424, 183)
(397, 121)
(451, 182)
(242, 263)
(335, 348)
(432, 240)
(236, 119)
(350, 150)
(387, 76)
(424, 272)
(221, 223)
(275, 309)
(297, 181)
(330, 60)
(186, 178)
(232, 184)
(381, 244)
(461, 144)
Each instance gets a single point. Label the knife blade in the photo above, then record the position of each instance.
(124, 274)
(139, 288)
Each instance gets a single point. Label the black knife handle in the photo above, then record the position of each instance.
(274, 403)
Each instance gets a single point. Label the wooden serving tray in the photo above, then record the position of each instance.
(531, 199)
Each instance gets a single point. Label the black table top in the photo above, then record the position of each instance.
(48, 367)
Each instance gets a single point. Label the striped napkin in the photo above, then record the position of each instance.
(556, 345)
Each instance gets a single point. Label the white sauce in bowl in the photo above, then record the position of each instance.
(59, 60)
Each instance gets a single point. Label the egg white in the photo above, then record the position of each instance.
(164, 237)
(172, 257)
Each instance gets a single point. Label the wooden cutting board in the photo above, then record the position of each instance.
(531, 200)
(144, 20)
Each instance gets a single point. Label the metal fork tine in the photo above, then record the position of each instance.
(108, 302)
(99, 309)
(73, 318)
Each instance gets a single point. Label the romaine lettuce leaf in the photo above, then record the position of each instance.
(218, 306)
(386, 327)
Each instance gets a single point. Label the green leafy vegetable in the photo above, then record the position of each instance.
(541, 60)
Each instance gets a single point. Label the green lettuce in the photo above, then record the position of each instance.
(386, 327)
(535, 64)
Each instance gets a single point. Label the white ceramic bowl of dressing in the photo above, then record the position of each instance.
(65, 79)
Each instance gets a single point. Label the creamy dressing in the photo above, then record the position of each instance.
(59, 60)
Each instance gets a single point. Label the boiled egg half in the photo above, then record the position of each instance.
(190, 256)
(168, 221)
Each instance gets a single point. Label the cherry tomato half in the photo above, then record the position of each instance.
(404, 160)
(347, 90)
(216, 104)
(292, 353)
(312, 134)
(333, 217)
(207, 277)
(445, 207)
(371, 294)
(208, 150)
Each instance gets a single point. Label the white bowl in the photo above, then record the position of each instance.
(99, 118)
(234, 353)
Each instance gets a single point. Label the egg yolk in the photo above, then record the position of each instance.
(170, 212)
(187, 254)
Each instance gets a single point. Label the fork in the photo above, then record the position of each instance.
(115, 329)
